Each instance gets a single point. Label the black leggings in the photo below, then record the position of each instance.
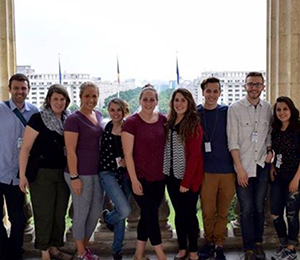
(186, 221)
(149, 203)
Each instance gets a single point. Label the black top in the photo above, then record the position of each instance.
(111, 148)
(287, 144)
(48, 147)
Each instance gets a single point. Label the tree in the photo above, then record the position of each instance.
(73, 107)
(164, 99)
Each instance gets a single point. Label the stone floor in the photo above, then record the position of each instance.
(231, 255)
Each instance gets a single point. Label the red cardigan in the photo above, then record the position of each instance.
(194, 169)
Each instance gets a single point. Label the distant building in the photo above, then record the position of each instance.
(232, 85)
(40, 83)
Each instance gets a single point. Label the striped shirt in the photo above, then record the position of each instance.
(244, 120)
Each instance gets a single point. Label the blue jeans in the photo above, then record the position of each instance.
(120, 197)
(281, 198)
(252, 202)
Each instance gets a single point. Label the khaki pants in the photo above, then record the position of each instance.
(216, 194)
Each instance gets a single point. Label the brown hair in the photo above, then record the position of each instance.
(122, 104)
(18, 77)
(190, 123)
(148, 87)
(56, 88)
(255, 74)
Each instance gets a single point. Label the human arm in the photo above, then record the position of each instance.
(128, 143)
(242, 175)
(193, 149)
(28, 140)
(71, 140)
(273, 172)
(294, 184)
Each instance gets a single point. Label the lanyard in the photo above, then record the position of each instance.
(205, 125)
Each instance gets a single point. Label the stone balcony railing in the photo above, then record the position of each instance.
(102, 238)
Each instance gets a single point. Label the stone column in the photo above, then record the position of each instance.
(7, 45)
(283, 49)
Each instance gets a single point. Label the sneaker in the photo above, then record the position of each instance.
(85, 256)
(206, 252)
(259, 252)
(91, 254)
(289, 255)
(219, 253)
(249, 255)
(277, 254)
(117, 256)
(109, 226)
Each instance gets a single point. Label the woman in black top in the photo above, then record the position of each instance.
(285, 175)
(42, 153)
(113, 174)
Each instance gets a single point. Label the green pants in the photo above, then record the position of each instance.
(49, 196)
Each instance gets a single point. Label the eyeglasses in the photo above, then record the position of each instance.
(252, 85)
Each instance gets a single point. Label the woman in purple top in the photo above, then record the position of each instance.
(82, 137)
(143, 145)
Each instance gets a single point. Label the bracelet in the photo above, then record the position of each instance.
(74, 177)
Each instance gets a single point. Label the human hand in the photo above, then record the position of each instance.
(294, 185)
(137, 188)
(183, 189)
(24, 185)
(76, 186)
(242, 177)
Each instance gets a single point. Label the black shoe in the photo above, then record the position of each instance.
(117, 256)
(259, 252)
(207, 251)
(110, 227)
(220, 253)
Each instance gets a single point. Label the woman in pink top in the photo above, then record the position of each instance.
(143, 144)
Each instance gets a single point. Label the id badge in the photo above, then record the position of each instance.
(254, 137)
(20, 141)
(207, 147)
(279, 160)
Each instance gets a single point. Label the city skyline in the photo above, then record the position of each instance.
(208, 35)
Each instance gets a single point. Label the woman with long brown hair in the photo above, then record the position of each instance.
(183, 164)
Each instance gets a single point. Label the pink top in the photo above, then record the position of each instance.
(148, 149)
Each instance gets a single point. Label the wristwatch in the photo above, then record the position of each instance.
(74, 176)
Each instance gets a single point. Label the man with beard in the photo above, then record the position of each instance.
(14, 115)
(249, 141)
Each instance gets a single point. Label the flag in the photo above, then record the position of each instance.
(59, 69)
(118, 70)
(177, 70)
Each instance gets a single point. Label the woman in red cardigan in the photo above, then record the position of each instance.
(183, 164)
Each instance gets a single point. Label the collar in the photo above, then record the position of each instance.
(246, 102)
(13, 106)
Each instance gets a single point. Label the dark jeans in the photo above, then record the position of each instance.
(186, 221)
(11, 247)
(149, 203)
(281, 198)
(252, 202)
(49, 196)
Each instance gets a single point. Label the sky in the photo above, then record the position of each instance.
(206, 35)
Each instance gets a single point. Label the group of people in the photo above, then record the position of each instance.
(209, 150)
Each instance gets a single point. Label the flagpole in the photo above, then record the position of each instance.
(177, 69)
(118, 74)
(59, 69)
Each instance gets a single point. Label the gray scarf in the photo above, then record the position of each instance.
(53, 123)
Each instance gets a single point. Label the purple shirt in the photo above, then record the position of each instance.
(88, 143)
(148, 148)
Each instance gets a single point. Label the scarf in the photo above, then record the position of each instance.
(53, 123)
